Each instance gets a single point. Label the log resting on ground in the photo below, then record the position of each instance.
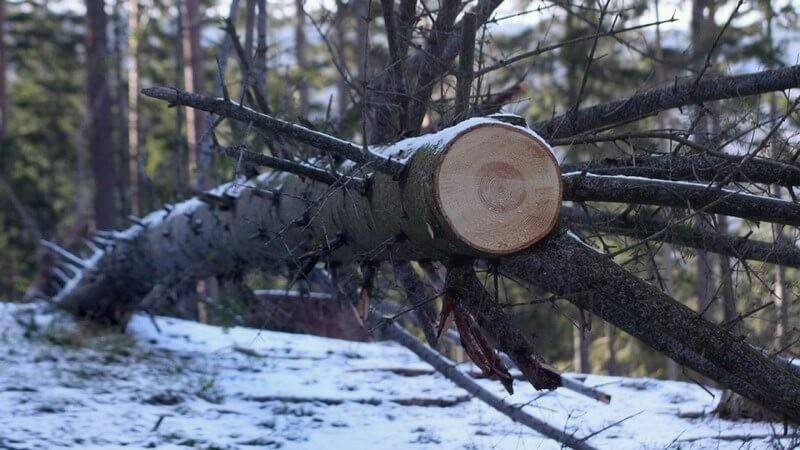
(280, 220)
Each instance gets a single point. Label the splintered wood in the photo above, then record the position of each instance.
(499, 188)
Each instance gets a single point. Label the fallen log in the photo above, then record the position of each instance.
(482, 189)
(280, 220)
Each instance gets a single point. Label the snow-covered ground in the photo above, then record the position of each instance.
(188, 385)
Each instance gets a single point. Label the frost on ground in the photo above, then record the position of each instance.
(188, 385)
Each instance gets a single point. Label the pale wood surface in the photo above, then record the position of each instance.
(499, 188)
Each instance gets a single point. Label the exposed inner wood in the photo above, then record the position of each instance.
(499, 188)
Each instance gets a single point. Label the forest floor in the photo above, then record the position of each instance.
(181, 384)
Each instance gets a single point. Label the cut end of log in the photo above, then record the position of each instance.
(499, 187)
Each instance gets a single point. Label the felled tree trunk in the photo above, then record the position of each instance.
(442, 204)
(482, 189)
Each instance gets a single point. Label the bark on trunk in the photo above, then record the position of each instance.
(580, 343)
(99, 109)
(284, 220)
(121, 117)
(136, 165)
(3, 97)
(268, 222)
(199, 164)
(300, 57)
(568, 268)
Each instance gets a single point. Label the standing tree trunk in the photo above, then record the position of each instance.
(342, 89)
(181, 156)
(611, 334)
(300, 57)
(581, 337)
(121, 119)
(729, 312)
(249, 29)
(781, 293)
(136, 163)
(3, 96)
(101, 145)
(260, 63)
(671, 369)
(704, 284)
(198, 163)
(581, 332)
(206, 140)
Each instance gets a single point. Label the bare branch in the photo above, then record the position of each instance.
(654, 101)
(584, 187)
(318, 140)
(699, 167)
(639, 226)
(451, 372)
(469, 293)
(240, 152)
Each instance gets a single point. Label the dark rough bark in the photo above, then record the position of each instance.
(101, 146)
(589, 279)
(651, 102)
(684, 235)
(275, 220)
(300, 57)
(583, 188)
(700, 167)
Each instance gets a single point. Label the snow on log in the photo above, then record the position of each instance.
(481, 188)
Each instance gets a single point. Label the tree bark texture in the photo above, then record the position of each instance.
(98, 106)
(199, 164)
(567, 267)
(284, 220)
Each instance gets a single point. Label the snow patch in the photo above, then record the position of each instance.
(178, 384)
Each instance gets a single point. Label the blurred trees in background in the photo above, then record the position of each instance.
(79, 151)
